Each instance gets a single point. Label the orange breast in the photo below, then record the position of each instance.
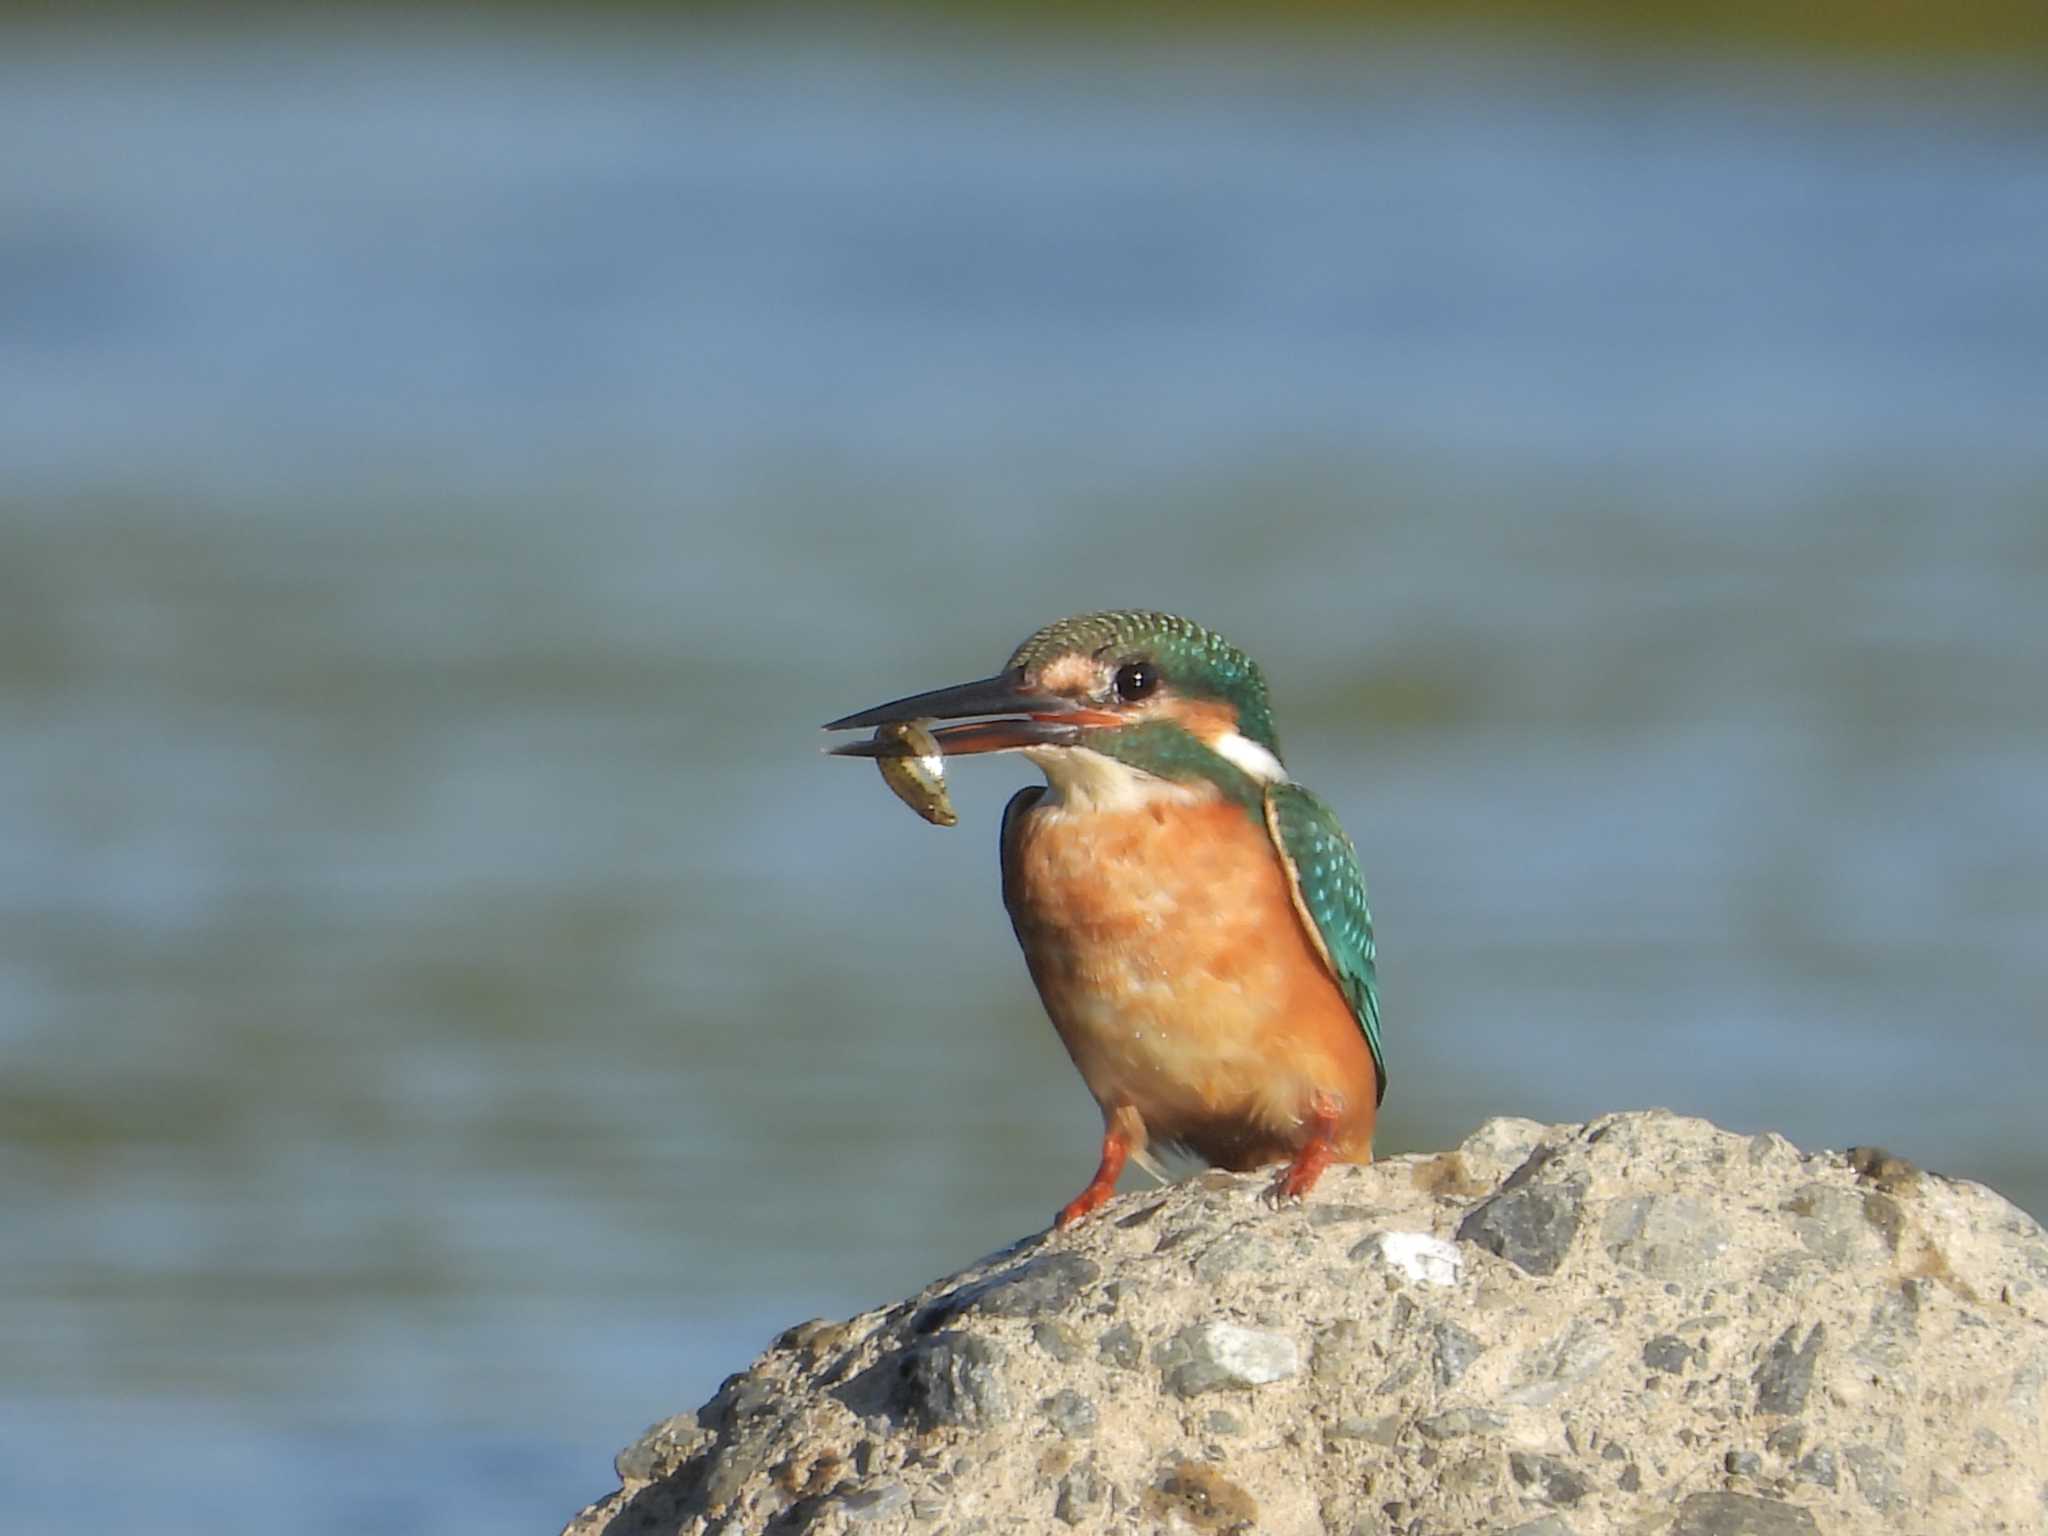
(1167, 949)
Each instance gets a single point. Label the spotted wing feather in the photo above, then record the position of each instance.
(1329, 893)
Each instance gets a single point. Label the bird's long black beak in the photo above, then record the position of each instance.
(1034, 718)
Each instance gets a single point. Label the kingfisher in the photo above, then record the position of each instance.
(1194, 920)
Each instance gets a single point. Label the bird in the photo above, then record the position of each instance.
(1195, 922)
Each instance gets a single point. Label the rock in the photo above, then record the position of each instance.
(1642, 1324)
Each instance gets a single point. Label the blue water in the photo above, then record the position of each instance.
(451, 1014)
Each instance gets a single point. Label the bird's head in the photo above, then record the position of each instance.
(1112, 706)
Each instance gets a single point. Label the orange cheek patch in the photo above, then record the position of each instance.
(1071, 674)
(1204, 720)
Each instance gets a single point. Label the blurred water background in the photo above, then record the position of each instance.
(451, 1014)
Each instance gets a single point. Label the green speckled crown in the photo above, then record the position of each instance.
(1194, 661)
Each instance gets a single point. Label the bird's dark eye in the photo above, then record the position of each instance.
(1136, 679)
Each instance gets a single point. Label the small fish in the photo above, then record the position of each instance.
(914, 767)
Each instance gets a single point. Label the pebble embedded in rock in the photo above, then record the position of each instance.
(1875, 1479)
(663, 1448)
(1886, 1217)
(1080, 1493)
(1209, 1357)
(1667, 1352)
(1558, 1364)
(865, 1504)
(1531, 1227)
(1786, 1440)
(1070, 1413)
(1120, 1347)
(1546, 1478)
(1741, 1514)
(731, 1470)
(1816, 1466)
(1234, 1252)
(1339, 1351)
(1414, 1256)
(1048, 1283)
(741, 1397)
(1454, 1353)
(1462, 1421)
(1667, 1237)
(1830, 1221)
(1786, 1375)
(1384, 1430)
(1057, 1340)
(953, 1379)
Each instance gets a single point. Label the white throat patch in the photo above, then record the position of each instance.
(1087, 781)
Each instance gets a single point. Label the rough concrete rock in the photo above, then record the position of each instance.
(1643, 1325)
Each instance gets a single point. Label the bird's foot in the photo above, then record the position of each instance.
(1125, 1135)
(1316, 1154)
(1299, 1177)
(1091, 1199)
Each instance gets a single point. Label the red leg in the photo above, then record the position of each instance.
(1317, 1153)
(1124, 1135)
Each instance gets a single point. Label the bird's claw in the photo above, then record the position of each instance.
(1086, 1203)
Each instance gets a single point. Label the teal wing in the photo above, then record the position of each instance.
(1329, 892)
